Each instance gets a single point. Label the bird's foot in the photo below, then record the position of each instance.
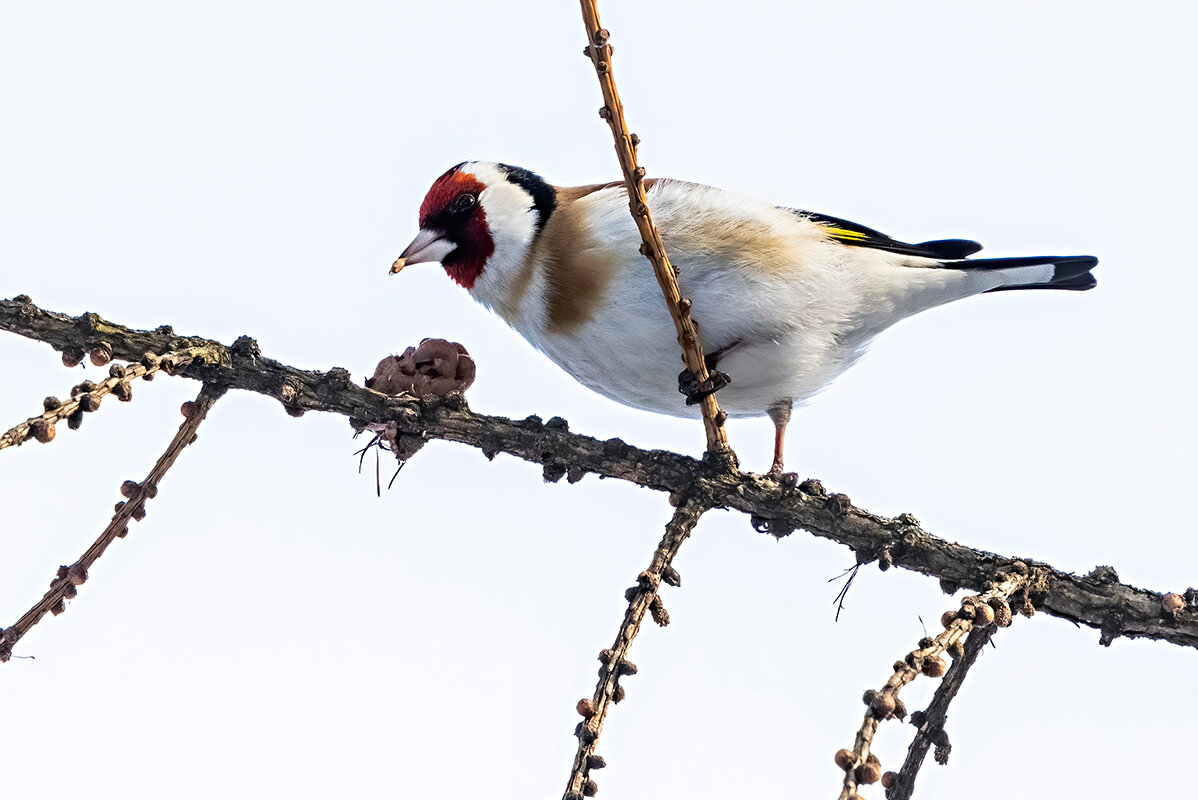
(695, 389)
(787, 479)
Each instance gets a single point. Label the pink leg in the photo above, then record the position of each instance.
(780, 414)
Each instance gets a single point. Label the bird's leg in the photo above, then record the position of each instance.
(695, 389)
(779, 413)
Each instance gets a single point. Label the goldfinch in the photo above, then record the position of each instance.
(786, 299)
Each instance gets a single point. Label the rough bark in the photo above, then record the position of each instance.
(1098, 599)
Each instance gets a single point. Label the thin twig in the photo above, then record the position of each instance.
(86, 396)
(1097, 599)
(931, 728)
(614, 662)
(652, 247)
(63, 587)
(858, 765)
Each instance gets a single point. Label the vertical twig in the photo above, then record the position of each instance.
(931, 724)
(642, 598)
(63, 587)
(652, 247)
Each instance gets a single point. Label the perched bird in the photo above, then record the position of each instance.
(785, 299)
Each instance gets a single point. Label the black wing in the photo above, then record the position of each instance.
(850, 233)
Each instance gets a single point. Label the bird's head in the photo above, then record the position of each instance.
(479, 214)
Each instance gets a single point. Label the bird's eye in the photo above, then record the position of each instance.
(463, 202)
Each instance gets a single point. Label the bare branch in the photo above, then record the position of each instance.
(614, 662)
(931, 728)
(63, 587)
(651, 244)
(859, 765)
(86, 396)
(1097, 600)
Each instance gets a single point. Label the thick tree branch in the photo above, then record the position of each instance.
(63, 586)
(652, 246)
(1097, 600)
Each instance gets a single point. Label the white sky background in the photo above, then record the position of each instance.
(272, 629)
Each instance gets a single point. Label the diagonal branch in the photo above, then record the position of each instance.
(87, 395)
(642, 598)
(859, 764)
(1097, 599)
(63, 587)
(931, 727)
(652, 247)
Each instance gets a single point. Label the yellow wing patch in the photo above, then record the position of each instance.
(845, 233)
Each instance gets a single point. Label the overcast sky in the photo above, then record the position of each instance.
(272, 629)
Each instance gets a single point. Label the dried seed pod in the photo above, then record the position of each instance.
(586, 735)
(138, 512)
(72, 357)
(617, 694)
(589, 788)
(1171, 604)
(42, 430)
(658, 611)
(955, 650)
(51, 403)
(626, 668)
(845, 759)
(188, 409)
(100, 354)
(983, 615)
(60, 606)
(948, 618)
(868, 773)
(605, 656)
(934, 667)
(75, 420)
(671, 576)
(89, 401)
(1002, 612)
(129, 488)
(596, 762)
(77, 574)
(889, 779)
(116, 370)
(585, 708)
(882, 705)
(149, 360)
(123, 391)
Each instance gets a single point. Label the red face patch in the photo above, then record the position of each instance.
(444, 191)
(447, 208)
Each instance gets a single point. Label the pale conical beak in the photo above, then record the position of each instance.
(427, 246)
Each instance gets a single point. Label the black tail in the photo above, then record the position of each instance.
(1071, 273)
